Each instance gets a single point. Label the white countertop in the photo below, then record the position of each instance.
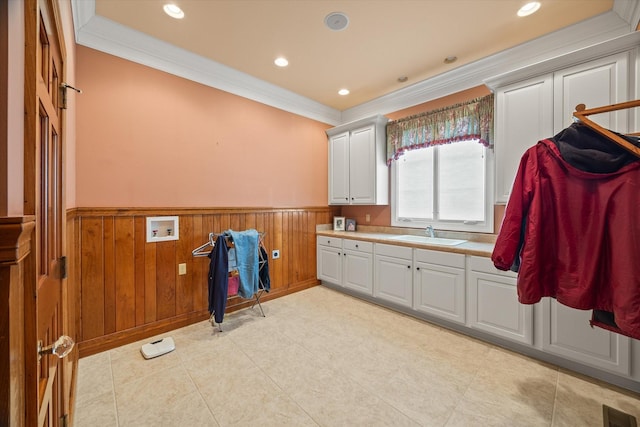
(483, 247)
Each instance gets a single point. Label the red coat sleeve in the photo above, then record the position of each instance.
(508, 243)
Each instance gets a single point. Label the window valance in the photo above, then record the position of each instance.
(461, 122)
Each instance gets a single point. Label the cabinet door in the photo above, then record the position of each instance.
(494, 307)
(523, 117)
(439, 290)
(329, 264)
(393, 279)
(339, 169)
(362, 163)
(358, 271)
(595, 84)
(567, 333)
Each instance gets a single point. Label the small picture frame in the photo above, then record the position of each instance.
(350, 224)
(338, 223)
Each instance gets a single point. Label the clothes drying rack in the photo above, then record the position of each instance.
(205, 249)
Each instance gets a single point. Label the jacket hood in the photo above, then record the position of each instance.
(587, 150)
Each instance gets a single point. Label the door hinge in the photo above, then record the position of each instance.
(64, 420)
(63, 267)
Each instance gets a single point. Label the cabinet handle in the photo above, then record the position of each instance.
(346, 198)
(408, 266)
(356, 246)
(417, 268)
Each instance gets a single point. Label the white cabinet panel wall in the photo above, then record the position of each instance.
(339, 169)
(523, 117)
(597, 83)
(329, 259)
(567, 332)
(358, 171)
(393, 274)
(439, 284)
(493, 302)
(530, 110)
(357, 267)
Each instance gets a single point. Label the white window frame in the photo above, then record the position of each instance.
(478, 227)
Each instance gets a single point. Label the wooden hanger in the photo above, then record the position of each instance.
(581, 114)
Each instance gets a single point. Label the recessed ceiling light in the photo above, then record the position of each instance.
(450, 59)
(336, 21)
(402, 79)
(281, 62)
(343, 92)
(173, 11)
(529, 8)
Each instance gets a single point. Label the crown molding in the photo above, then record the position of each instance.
(607, 48)
(579, 36)
(110, 37)
(628, 10)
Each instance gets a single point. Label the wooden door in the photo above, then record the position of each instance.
(44, 179)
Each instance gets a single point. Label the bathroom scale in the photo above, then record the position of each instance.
(158, 348)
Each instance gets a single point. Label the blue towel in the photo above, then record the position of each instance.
(246, 245)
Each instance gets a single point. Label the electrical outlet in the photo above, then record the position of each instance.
(367, 218)
(275, 254)
(182, 269)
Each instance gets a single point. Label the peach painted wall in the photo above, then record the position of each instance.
(381, 215)
(145, 138)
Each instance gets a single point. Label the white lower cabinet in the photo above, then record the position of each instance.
(567, 333)
(329, 259)
(357, 266)
(393, 274)
(493, 302)
(439, 284)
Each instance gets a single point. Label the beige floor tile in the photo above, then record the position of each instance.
(579, 401)
(342, 401)
(509, 387)
(129, 365)
(323, 358)
(98, 411)
(140, 399)
(94, 377)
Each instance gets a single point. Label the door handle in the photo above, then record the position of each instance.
(60, 348)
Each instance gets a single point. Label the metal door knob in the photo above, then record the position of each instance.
(60, 348)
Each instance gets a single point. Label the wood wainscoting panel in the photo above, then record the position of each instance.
(130, 289)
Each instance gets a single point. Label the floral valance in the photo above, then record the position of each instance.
(461, 122)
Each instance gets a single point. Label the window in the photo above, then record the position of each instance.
(446, 186)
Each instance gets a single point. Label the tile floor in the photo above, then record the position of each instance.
(320, 357)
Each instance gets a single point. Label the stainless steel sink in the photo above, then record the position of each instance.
(427, 240)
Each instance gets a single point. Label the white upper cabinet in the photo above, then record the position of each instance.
(358, 172)
(597, 83)
(540, 107)
(523, 117)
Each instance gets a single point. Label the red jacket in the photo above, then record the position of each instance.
(575, 235)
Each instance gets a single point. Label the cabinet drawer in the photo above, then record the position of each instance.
(485, 265)
(394, 251)
(333, 242)
(441, 258)
(356, 245)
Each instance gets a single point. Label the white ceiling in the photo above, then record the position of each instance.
(231, 44)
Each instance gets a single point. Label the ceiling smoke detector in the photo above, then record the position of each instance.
(336, 21)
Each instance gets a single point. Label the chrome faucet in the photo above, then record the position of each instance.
(429, 231)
